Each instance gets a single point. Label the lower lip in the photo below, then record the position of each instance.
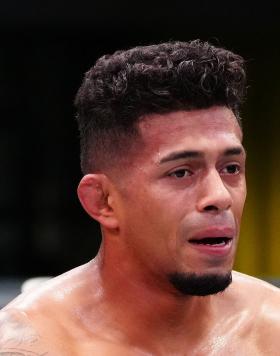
(215, 250)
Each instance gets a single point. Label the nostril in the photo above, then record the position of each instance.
(210, 208)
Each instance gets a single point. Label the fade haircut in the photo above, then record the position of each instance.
(120, 89)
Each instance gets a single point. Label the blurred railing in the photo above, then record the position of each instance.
(9, 289)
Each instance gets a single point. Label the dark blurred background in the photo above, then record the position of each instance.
(45, 49)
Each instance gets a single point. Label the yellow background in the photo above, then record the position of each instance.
(259, 245)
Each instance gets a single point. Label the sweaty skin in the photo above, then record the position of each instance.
(185, 181)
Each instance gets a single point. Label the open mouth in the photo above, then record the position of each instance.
(212, 241)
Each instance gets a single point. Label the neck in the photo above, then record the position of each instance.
(143, 305)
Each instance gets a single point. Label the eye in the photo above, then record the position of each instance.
(231, 169)
(180, 173)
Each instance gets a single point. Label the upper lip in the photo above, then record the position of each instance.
(213, 232)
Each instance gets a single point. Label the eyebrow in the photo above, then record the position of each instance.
(233, 151)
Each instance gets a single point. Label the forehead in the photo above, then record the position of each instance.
(201, 129)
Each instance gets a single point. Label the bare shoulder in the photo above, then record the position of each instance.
(46, 320)
(251, 281)
(258, 294)
(20, 337)
(55, 293)
(17, 335)
(263, 300)
(256, 289)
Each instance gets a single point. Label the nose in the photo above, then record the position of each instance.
(213, 194)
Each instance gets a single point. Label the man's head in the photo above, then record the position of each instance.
(164, 162)
(124, 87)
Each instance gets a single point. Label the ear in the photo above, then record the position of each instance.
(94, 194)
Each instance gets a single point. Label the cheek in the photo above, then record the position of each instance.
(155, 213)
(239, 198)
(150, 219)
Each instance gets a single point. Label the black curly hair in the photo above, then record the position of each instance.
(123, 87)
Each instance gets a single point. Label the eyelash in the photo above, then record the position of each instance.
(236, 166)
(185, 170)
(180, 170)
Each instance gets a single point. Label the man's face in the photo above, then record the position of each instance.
(182, 194)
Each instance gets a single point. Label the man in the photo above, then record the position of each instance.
(164, 174)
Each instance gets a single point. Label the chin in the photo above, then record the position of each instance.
(200, 284)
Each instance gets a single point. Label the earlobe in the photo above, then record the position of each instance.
(95, 198)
